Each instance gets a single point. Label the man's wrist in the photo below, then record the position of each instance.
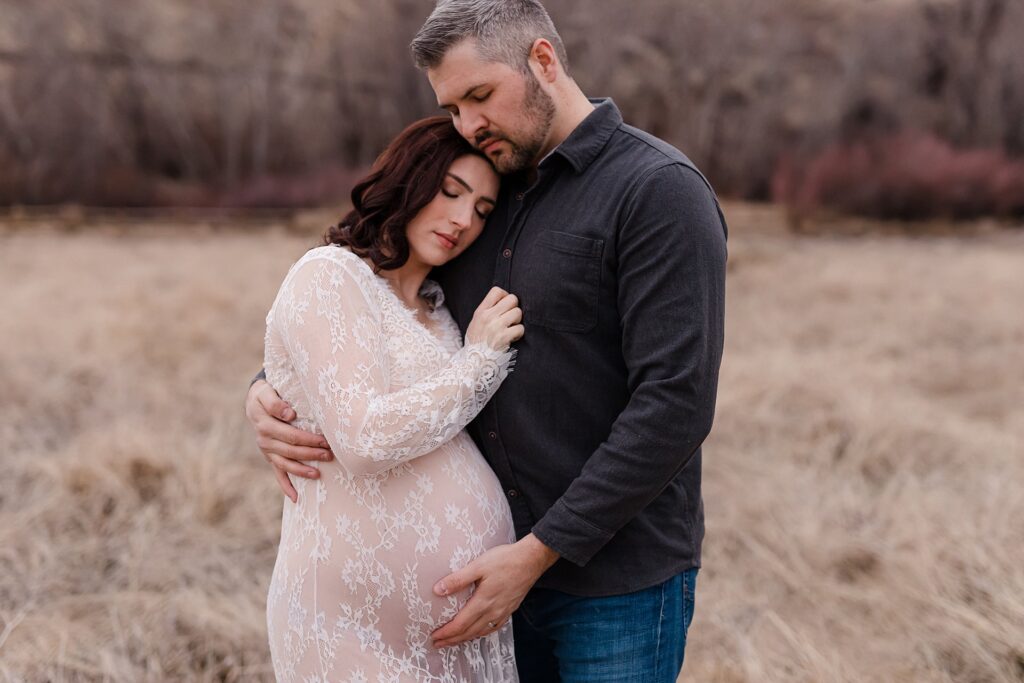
(543, 555)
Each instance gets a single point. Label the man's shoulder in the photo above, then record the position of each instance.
(649, 150)
(645, 154)
(658, 169)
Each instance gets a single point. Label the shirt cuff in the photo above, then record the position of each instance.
(261, 375)
(573, 537)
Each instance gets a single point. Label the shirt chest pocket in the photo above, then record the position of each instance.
(563, 281)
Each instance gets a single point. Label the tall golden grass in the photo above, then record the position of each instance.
(864, 482)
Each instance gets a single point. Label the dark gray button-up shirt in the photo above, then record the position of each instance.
(617, 253)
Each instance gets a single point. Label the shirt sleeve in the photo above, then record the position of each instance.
(671, 250)
(330, 326)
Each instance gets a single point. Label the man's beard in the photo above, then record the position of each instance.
(540, 113)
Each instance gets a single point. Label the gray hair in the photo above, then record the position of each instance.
(505, 31)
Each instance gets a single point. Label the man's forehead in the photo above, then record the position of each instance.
(461, 71)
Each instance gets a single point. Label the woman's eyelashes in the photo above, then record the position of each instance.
(455, 194)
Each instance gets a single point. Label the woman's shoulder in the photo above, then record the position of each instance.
(334, 266)
(342, 256)
(328, 271)
(336, 259)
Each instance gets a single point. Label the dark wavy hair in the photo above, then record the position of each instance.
(405, 177)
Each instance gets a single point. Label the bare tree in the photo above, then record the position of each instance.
(113, 101)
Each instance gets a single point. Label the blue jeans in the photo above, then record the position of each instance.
(638, 636)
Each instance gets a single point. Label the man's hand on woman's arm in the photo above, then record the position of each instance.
(283, 445)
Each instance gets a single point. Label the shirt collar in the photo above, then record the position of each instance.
(589, 138)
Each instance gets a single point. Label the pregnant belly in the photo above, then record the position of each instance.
(362, 554)
(416, 522)
(359, 556)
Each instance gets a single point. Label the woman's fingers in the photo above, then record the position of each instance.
(494, 296)
(506, 303)
(497, 313)
(512, 317)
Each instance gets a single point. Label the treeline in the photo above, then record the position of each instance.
(905, 108)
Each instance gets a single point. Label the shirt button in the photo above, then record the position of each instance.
(493, 435)
(507, 253)
(512, 493)
(519, 196)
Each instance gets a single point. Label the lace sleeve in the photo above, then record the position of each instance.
(329, 323)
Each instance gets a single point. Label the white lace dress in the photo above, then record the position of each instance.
(409, 497)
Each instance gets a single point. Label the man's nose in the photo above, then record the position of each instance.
(472, 124)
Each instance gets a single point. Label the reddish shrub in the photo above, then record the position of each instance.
(908, 175)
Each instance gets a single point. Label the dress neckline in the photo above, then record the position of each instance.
(429, 290)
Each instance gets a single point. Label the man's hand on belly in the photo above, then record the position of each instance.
(503, 575)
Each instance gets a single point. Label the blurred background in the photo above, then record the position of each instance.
(901, 108)
(162, 163)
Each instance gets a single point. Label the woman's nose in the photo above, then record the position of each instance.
(462, 217)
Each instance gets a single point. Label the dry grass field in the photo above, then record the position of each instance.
(864, 481)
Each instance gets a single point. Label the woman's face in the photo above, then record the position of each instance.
(455, 217)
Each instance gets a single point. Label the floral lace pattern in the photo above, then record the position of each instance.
(409, 497)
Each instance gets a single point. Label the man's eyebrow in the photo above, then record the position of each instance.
(462, 182)
(469, 91)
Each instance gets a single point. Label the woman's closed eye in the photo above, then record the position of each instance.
(482, 211)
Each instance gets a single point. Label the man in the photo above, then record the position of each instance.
(615, 245)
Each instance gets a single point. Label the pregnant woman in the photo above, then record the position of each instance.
(360, 344)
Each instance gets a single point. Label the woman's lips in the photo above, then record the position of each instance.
(445, 241)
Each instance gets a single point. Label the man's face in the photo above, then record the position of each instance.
(503, 112)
